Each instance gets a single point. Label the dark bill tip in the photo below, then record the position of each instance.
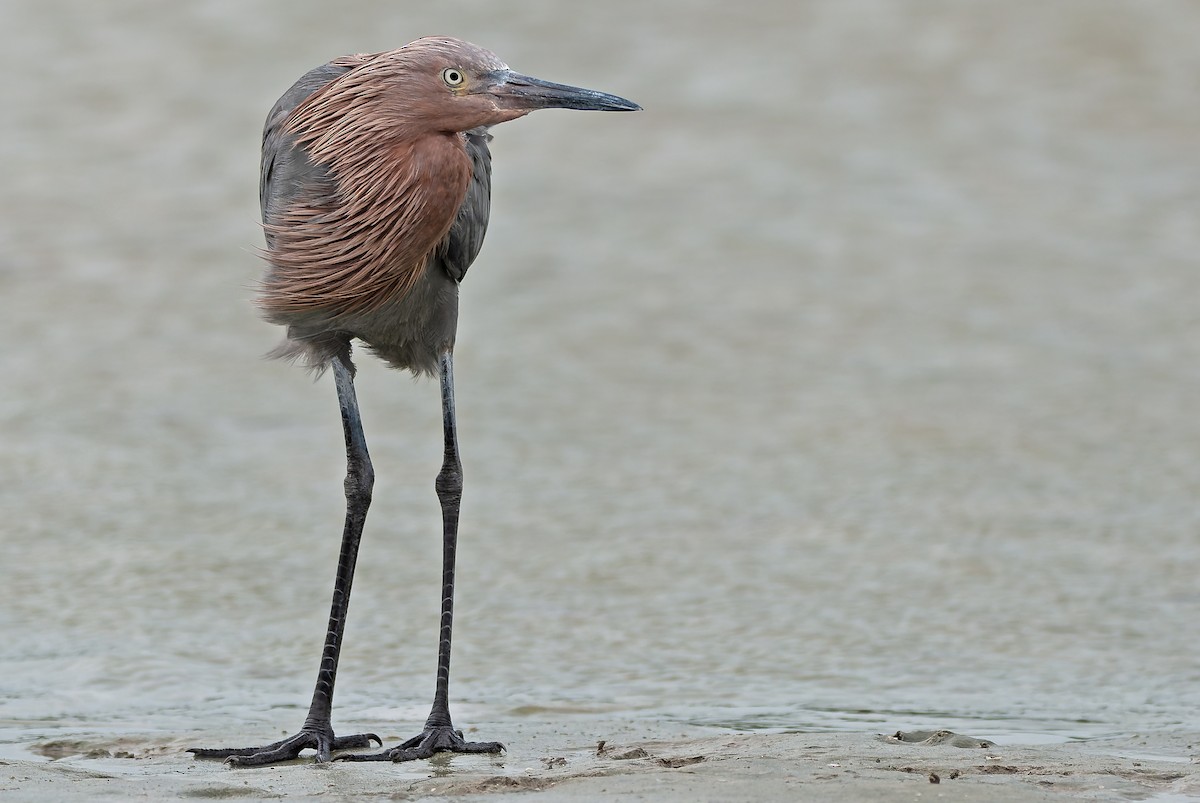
(525, 92)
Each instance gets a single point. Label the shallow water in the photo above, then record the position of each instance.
(850, 386)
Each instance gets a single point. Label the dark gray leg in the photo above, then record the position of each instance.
(317, 732)
(439, 735)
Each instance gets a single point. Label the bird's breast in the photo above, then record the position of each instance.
(395, 202)
(442, 171)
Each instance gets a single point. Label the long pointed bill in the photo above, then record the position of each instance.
(515, 91)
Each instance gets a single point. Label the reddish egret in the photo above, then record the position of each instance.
(375, 191)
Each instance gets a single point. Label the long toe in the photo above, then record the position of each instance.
(481, 747)
(226, 752)
(357, 740)
(287, 750)
(386, 755)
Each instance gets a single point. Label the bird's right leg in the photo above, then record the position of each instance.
(317, 732)
(439, 734)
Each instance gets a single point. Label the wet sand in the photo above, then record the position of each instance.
(850, 388)
(727, 767)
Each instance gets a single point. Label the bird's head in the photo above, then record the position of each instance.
(454, 85)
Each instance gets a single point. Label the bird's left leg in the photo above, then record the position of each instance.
(317, 732)
(440, 735)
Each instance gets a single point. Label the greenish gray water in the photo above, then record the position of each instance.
(852, 385)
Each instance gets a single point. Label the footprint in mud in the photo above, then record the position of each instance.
(939, 737)
(103, 748)
(673, 762)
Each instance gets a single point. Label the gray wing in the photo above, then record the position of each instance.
(456, 253)
(287, 172)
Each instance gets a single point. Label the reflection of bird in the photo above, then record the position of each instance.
(376, 182)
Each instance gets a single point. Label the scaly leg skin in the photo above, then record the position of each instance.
(317, 732)
(439, 735)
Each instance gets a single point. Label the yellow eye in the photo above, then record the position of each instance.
(453, 77)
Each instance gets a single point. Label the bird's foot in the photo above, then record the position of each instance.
(323, 741)
(442, 739)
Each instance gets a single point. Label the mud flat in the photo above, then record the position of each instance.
(796, 766)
